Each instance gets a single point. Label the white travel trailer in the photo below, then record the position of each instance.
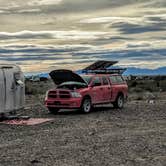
(12, 89)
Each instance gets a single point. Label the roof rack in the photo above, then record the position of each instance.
(103, 67)
(105, 71)
(100, 65)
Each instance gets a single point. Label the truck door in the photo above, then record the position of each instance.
(2, 91)
(116, 85)
(97, 90)
(106, 89)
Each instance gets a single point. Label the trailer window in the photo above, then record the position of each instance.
(16, 76)
(18, 79)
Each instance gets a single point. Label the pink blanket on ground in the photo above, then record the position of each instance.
(29, 122)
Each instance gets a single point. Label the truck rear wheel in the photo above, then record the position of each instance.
(86, 106)
(119, 103)
(53, 110)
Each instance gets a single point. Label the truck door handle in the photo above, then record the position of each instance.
(109, 88)
(101, 88)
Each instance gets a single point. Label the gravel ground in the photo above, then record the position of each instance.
(133, 136)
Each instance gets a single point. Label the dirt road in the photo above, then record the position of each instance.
(133, 136)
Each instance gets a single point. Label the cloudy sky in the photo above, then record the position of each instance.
(41, 35)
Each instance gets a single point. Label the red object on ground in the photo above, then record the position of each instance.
(28, 122)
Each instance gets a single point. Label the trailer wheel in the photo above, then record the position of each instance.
(53, 110)
(119, 103)
(86, 106)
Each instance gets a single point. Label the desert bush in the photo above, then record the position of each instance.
(35, 88)
(135, 89)
(139, 98)
(29, 89)
(134, 84)
(145, 85)
(162, 85)
(135, 96)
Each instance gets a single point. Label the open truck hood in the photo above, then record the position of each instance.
(61, 76)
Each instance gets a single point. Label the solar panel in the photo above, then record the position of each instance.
(105, 71)
(103, 67)
(100, 65)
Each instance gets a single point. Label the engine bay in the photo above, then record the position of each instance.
(72, 85)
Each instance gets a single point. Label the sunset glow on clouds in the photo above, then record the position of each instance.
(47, 34)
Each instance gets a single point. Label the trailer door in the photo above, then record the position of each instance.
(10, 89)
(20, 90)
(2, 91)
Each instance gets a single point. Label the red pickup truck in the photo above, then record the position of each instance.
(83, 92)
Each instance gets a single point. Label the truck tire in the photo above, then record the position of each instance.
(119, 103)
(53, 110)
(86, 106)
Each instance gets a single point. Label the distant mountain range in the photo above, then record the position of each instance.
(139, 71)
(129, 71)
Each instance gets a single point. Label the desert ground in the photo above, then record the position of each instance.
(133, 136)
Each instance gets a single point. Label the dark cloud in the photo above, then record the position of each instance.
(113, 29)
(36, 53)
(127, 28)
(65, 6)
(112, 39)
(78, 55)
(125, 54)
(72, 6)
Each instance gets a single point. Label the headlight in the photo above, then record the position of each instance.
(75, 94)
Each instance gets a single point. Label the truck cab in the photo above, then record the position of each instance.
(85, 91)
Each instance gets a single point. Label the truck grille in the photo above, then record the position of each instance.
(59, 94)
(64, 94)
(52, 94)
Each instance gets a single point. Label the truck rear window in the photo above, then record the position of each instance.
(116, 79)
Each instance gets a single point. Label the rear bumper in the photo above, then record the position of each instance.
(65, 103)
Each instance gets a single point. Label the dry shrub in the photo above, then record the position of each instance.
(38, 88)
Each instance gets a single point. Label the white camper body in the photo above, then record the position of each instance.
(12, 88)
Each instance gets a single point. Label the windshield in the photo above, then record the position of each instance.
(87, 78)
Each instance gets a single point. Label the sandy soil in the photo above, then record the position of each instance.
(133, 136)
